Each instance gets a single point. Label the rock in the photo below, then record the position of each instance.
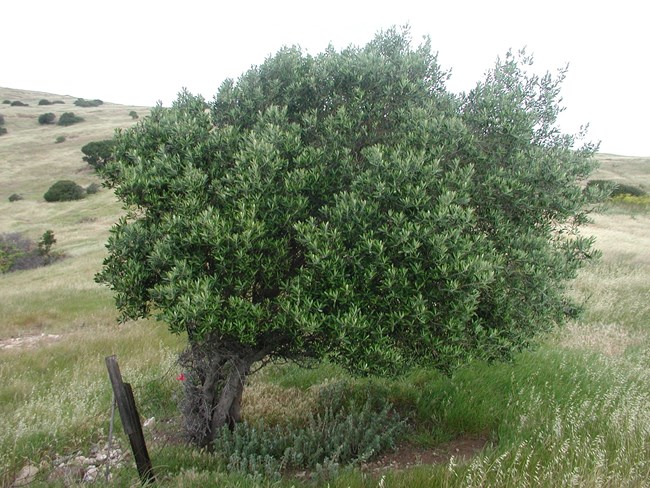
(26, 476)
(69, 474)
(91, 473)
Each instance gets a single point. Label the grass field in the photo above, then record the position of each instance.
(574, 412)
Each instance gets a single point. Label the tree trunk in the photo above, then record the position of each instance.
(227, 411)
(214, 384)
(213, 392)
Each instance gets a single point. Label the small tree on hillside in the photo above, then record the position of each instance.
(47, 118)
(98, 153)
(347, 206)
(64, 191)
(69, 118)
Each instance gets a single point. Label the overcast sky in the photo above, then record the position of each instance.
(138, 52)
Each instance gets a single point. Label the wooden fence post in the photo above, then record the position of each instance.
(130, 420)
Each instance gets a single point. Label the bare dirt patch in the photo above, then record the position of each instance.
(29, 341)
(407, 456)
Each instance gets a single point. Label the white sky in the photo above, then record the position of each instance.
(138, 52)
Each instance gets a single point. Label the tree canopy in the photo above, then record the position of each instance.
(98, 153)
(348, 206)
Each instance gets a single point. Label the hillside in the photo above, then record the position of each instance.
(30, 162)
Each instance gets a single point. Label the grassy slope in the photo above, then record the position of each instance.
(575, 411)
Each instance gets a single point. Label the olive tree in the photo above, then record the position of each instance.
(348, 207)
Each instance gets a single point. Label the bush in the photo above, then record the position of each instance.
(19, 253)
(98, 153)
(44, 101)
(7, 102)
(64, 190)
(617, 189)
(47, 118)
(69, 118)
(339, 435)
(3, 131)
(92, 189)
(18, 103)
(80, 102)
(15, 197)
(133, 114)
(2, 119)
(59, 139)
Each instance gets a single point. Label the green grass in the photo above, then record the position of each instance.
(573, 412)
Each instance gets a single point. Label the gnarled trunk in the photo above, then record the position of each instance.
(214, 384)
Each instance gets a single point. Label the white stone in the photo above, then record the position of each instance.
(26, 476)
(91, 473)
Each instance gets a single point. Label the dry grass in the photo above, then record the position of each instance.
(624, 169)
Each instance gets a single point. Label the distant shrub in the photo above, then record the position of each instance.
(58, 102)
(92, 188)
(2, 119)
(3, 131)
(59, 139)
(81, 102)
(44, 101)
(134, 115)
(14, 197)
(69, 118)
(98, 153)
(47, 118)
(19, 253)
(18, 103)
(7, 102)
(45, 244)
(63, 191)
(617, 189)
(623, 190)
(12, 247)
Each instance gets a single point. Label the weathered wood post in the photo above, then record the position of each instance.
(130, 420)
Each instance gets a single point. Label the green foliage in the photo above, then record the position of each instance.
(347, 206)
(3, 131)
(7, 102)
(19, 253)
(47, 118)
(98, 153)
(134, 115)
(64, 190)
(69, 118)
(338, 435)
(81, 102)
(622, 189)
(44, 101)
(14, 197)
(45, 244)
(615, 189)
(18, 103)
(59, 139)
(92, 189)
